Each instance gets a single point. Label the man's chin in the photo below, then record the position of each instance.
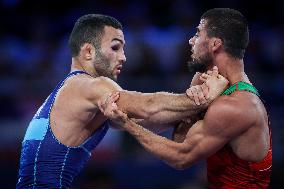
(194, 66)
(114, 77)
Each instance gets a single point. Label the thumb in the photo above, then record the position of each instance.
(215, 71)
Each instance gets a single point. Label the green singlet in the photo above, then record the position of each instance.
(240, 86)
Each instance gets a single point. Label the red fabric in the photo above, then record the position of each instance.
(226, 170)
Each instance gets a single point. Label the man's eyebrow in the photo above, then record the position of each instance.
(117, 39)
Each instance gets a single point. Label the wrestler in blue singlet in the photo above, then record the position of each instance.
(47, 163)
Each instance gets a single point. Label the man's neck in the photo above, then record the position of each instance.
(78, 65)
(231, 68)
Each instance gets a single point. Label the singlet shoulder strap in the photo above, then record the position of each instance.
(59, 85)
(241, 86)
(76, 73)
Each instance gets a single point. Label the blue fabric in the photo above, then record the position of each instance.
(45, 162)
(36, 129)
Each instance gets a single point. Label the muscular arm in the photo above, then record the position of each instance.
(181, 129)
(177, 155)
(160, 107)
(203, 139)
(154, 127)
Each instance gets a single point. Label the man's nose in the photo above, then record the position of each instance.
(191, 41)
(122, 58)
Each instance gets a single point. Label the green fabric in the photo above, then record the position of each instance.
(240, 86)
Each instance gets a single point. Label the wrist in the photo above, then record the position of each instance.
(205, 105)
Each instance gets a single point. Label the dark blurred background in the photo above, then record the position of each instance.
(34, 57)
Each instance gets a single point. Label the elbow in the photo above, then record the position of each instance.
(182, 161)
(182, 156)
(180, 165)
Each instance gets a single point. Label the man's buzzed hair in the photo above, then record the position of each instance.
(89, 29)
(231, 27)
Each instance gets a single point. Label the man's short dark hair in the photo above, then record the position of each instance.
(89, 29)
(231, 27)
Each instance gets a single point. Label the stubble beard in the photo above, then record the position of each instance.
(103, 66)
(195, 66)
(199, 65)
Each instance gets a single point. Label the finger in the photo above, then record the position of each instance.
(108, 97)
(120, 113)
(201, 95)
(189, 94)
(223, 79)
(220, 77)
(114, 105)
(117, 111)
(205, 90)
(115, 94)
(195, 96)
(195, 80)
(209, 72)
(202, 79)
(205, 75)
(100, 105)
(215, 71)
(114, 98)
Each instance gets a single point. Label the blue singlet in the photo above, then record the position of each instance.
(47, 163)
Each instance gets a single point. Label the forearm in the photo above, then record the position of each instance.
(154, 127)
(175, 103)
(169, 151)
(159, 107)
(170, 117)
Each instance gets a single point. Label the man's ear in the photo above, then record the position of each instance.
(216, 44)
(87, 51)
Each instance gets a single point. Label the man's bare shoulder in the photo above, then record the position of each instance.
(88, 81)
(100, 87)
(93, 88)
(229, 115)
(104, 82)
(223, 104)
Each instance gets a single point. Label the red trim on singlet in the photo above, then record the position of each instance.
(266, 163)
(226, 170)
